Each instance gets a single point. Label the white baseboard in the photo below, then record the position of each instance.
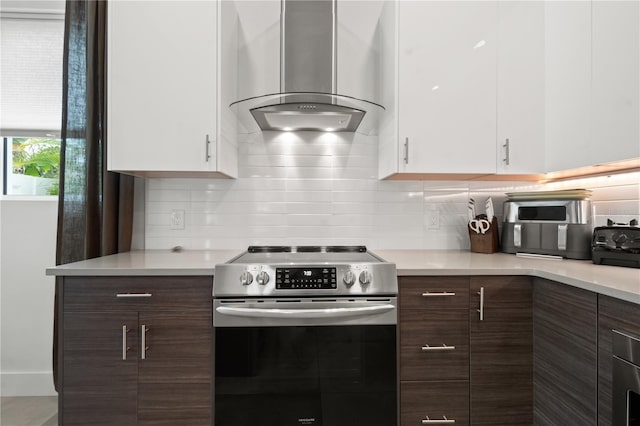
(38, 383)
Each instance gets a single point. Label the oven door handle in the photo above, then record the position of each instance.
(304, 313)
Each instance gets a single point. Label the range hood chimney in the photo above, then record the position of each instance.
(308, 98)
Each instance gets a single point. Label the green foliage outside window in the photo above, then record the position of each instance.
(39, 157)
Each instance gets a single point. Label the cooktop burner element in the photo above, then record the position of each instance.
(281, 271)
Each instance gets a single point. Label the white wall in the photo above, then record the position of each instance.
(27, 247)
(315, 188)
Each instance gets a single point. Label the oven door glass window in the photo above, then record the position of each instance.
(292, 376)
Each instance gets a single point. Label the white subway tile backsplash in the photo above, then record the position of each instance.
(308, 196)
(308, 208)
(308, 185)
(317, 188)
(616, 208)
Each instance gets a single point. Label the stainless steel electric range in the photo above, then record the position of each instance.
(305, 336)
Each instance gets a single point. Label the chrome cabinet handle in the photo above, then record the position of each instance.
(207, 143)
(437, 294)
(132, 295)
(443, 421)
(406, 150)
(427, 348)
(506, 151)
(125, 348)
(143, 352)
(481, 310)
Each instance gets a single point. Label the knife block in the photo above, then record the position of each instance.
(487, 242)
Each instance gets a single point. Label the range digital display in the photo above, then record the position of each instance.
(306, 278)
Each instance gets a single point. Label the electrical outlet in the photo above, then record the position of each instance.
(433, 219)
(177, 219)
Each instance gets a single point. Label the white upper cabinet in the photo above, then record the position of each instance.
(447, 87)
(567, 84)
(520, 105)
(615, 81)
(162, 87)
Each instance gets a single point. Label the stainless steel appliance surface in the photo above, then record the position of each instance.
(554, 227)
(305, 336)
(626, 380)
(309, 98)
(616, 244)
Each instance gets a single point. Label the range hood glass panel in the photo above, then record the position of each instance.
(249, 110)
(295, 121)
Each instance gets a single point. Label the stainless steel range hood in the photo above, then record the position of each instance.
(308, 78)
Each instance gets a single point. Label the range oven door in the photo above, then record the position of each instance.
(299, 362)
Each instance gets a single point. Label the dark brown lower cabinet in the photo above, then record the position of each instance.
(140, 361)
(565, 354)
(99, 386)
(485, 375)
(501, 352)
(613, 314)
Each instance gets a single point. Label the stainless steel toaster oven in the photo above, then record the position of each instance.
(557, 227)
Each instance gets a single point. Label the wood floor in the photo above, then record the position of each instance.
(29, 411)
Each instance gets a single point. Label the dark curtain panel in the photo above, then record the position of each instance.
(95, 212)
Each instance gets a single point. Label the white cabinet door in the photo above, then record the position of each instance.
(162, 101)
(567, 84)
(447, 86)
(520, 141)
(615, 81)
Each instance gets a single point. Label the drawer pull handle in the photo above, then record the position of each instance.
(438, 294)
(125, 348)
(443, 421)
(134, 295)
(143, 330)
(427, 348)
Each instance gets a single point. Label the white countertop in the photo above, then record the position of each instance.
(618, 282)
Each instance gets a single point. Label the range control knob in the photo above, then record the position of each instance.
(262, 278)
(365, 278)
(246, 278)
(349, 278)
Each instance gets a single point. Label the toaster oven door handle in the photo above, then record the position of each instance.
(562, 236)
(304, 313)
(517, 235)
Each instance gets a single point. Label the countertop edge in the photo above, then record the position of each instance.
(536, 273)
(620, 283)
(127, 272)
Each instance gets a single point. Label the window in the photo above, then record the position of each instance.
(32, 166)
(31, 46)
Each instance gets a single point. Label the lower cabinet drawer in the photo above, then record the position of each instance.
(137, 293)
(434, 344)
(431, 403)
